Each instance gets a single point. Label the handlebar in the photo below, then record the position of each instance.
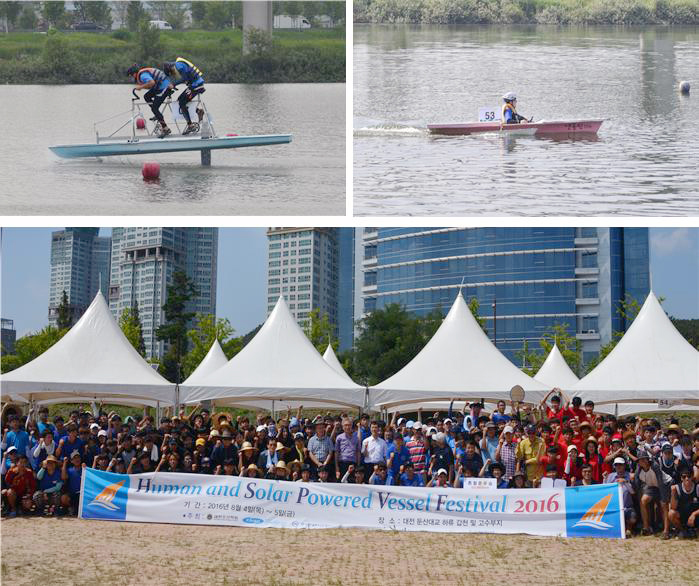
(135, 95)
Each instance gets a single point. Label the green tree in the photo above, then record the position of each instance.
(475, 307)
(388, 339)
(149, 47)
(28, 347)
(54, 13)
(176, 14)
(27, 18)
(320, 331)
(135, 15)
(207, 329)
(9, 12)
(198, 14)
(63, 320)
(689, 328)
(174, 330)
(568, 344)
(130, 324)
(218, 15)
(98, 12)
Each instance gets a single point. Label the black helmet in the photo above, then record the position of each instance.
(168, 66)
(133, 70)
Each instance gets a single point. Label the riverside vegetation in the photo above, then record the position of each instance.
(316, 55)
(561, 12)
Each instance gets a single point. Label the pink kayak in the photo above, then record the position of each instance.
(543, 127)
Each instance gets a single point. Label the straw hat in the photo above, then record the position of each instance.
(220, 419)
(51, 458)
(281, 465)
(245, 447)
(280, 447)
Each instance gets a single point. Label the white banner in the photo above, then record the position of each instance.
(233, 500)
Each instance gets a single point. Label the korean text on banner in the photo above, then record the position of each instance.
(589, 511)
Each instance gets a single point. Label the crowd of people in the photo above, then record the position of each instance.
(555, 444)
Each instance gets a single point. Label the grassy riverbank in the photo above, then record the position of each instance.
(74, 58)
(578, 12)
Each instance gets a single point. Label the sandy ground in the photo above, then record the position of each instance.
(70, 551)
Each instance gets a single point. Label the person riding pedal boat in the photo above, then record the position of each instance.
(159, 88)
(509, 110)
(183, 71)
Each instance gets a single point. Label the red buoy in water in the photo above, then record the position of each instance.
(231, 134)
(151, 171)
(140, 123)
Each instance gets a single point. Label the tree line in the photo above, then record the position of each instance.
(560, 12)
(203, 15)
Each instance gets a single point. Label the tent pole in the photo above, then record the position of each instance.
(274, 417)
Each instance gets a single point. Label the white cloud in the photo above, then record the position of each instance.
(671, 241)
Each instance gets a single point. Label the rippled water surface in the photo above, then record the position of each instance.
(304, 177)
(643, 162)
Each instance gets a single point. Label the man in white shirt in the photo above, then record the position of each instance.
(374, 448)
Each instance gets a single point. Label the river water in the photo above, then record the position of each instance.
(644, 161)
(304, 177)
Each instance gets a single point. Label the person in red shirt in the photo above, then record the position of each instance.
(553, 457)
(565, 440)
(555, 409)
(590, 411)
(573, 466)
(22, 484)
(576, 412)
(593, 459)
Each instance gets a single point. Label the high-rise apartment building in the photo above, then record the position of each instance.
(303, 265)
(143, 261)
(525, 279)
(9, 336)
(80, 263)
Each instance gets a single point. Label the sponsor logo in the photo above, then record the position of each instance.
(593, 516)
(593, 511)
(104, 499)
(104, 495)
(253, 520)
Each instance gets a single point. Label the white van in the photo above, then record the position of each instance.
(161, 24)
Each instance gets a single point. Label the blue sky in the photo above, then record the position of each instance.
(241, 288)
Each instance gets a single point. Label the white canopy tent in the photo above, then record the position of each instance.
(279, 367)
(459, 362)
(214, 359)
(331, 358)
(94, 360)
(555, 372)
(621, 409)
(651, 362)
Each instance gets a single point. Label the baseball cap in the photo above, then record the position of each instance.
(447, 420)
(508, 429)
(94, 425)
(441, 471)
(572, 447)
(201, 441)
(294, 422)
(260, 428)
(101, 433)
(298, 435)
(531, 428)
(619, 460)
(666, 446)
(10, 450)
(417, 425)
(401, 420)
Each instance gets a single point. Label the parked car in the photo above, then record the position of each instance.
(161, 24)
(88, 26)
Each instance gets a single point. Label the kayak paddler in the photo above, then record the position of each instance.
(159, 88)
(509, 110)
(182, 71)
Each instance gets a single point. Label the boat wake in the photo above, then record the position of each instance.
(390, 129)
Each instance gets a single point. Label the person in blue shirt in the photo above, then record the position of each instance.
(159, 88)
(48, 493)
(16, 437)
(43, 423)
(182, 71)
(509, 110)
(409, 478)
(72, 477)
(380, 476)
(67, 445)
(396, 456)
(499, 416)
